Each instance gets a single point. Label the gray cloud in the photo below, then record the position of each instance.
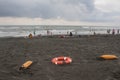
(68, 9)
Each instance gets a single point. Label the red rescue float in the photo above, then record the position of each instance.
(61, 60)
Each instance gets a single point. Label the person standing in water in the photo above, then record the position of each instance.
(118, 31)
(108, 31)
(48, 32)
(71, 34)
(113, 32)
(34, 32)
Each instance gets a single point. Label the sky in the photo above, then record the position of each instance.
(59, 12)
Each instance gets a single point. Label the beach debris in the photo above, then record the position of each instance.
(26, 65)
(108, 57)
(30, 36)
(61, 60)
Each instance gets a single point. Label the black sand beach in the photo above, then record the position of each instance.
(83, 50)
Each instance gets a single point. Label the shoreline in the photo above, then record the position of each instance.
(61, 35)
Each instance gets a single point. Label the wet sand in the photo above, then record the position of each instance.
(83, 50)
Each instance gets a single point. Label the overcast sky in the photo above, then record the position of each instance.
(59, 11)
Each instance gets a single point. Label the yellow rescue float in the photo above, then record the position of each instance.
(26, 65)
(30, 36)
(108, 57)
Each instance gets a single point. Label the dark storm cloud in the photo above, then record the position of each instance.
(45, 8)
(67, 9)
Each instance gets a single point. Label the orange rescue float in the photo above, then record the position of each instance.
(61, 60)
(26, 65)
(108, 57)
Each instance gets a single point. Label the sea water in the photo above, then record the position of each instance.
(25, 30)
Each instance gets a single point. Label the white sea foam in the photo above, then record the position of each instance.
(25, 30)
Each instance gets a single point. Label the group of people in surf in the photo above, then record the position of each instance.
(113, 31)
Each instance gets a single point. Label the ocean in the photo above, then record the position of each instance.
(25, 30)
